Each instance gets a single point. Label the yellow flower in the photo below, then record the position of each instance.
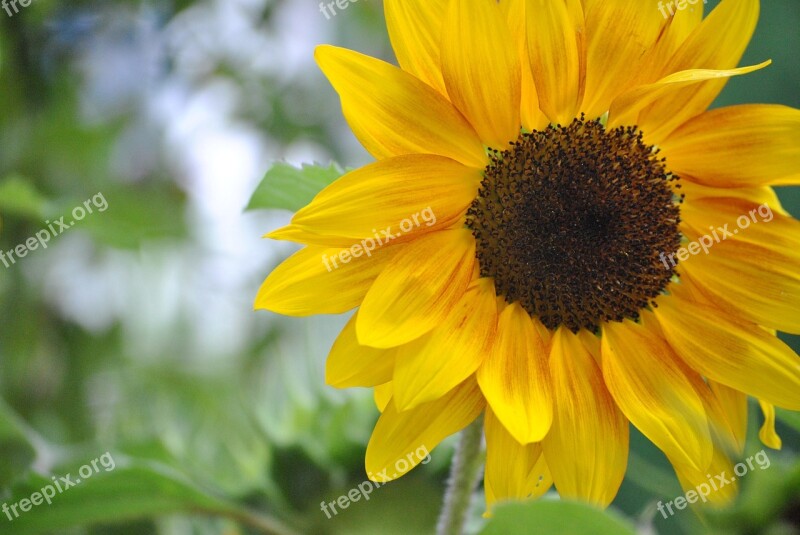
(556, 234)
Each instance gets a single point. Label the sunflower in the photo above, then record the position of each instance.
(552, 238)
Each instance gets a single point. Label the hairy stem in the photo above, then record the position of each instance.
(464, 473)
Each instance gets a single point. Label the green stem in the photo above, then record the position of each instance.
(464, 473)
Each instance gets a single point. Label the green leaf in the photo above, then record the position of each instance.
(555, 518)
(287, 187)
(129, 490)
(18, 196)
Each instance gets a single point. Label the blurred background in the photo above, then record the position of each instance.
(133, 332)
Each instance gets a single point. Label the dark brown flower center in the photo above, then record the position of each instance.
(571, 222)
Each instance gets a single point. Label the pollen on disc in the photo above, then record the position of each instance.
(571, 222)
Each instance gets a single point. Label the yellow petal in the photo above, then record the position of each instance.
(383, 395)
(393, 113)
(619, 33)
(716, 485)
(681, 25)
(751, 265)
(653, 391)
(531, 116)
(749, 282)
(740, 146)
(726, 439)
(585, 417)
(767, 434)
(433, 365)
(627, 107)
(557, 51)
(513, 471)
(678, 25)
(287, 233)
(481, 69)
(759, 195)
(350, 364)
(515, 377)
(733, 405)
(307, 282)
(740, 355)
(700, 485)
(402, 440)
(391, 201)
(717, 43)
(726, 443)
(415, 29)
(763, 226)
(591, 343)
(418, 289)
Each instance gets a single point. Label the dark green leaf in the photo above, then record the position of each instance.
(554, 518)
(133, 489)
